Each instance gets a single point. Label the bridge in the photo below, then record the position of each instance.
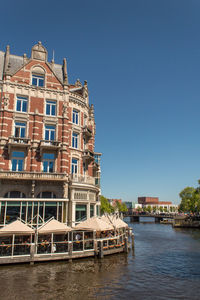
(135, 217)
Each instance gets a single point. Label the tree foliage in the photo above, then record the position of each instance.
(149, 209)
(121, 207)
(106, 207)
(190, 200)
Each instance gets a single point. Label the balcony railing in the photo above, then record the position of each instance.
(82, 179)
(51, 145)
(87, 131)
(18, 142)
(33, 176)
(88, 155)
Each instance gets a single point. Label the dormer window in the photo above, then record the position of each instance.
(38, 76)
(38, 80)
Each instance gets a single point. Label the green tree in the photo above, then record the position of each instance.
(124, 207)
(154, 209)
(149, 209)
(190, 200)
(144, 208)
(161, 209)
(165, 209)
(106, 207)
(139, 209)
(121, 207)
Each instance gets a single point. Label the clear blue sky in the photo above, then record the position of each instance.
(142, 62)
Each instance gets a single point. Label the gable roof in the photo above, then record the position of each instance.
(16, 62)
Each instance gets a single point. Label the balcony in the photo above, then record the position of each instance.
(33, 176)
(88, 155)
(87, 132)
(85, 179)
(49, 145)
(18, 142)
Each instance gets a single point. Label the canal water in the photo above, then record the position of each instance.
(164, 265)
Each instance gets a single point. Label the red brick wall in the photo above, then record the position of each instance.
(148, 200)
(35, 123)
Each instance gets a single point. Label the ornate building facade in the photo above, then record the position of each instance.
(48, 166)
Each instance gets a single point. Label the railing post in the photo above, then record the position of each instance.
(95, 242)
(32, 253)
(126, 245)
(101, 250)
(133, 240)
(70, 251)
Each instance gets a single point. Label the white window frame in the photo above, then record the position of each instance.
(38, 77)
(51, 103)
(75, 116)
(73, 165)
(75, 140)
(50, 130)
(20, 129)
(22, 100)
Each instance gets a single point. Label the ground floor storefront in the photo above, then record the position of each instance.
(33, 211)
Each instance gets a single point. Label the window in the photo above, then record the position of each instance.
(84, 168)
(75, 140)
(46, 195)
(48, 162)
(17, 161)
(85, 120)
(91, 210)
(14, 194)
(98, 210)
(50, 132)
(21, 104)
(20, 129)
(74, 166)
(50, 108)
(84, 144)
(81, 212)
(38, 80)
(75, 115)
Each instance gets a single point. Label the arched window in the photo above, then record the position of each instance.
(14, 194)
(38, 76)
(46, 195)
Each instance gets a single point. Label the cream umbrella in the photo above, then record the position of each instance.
(94, 223)
(16, 227)
(53, 226)
(115, 221)
(119, 222)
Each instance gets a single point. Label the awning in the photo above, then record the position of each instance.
(94, 223)
(53, 226)
(115, 221)
(16, 227)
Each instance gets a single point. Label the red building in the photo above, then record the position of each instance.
(155, 203)
(148, 200)
(47, 134)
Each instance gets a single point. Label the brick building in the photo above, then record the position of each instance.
(48, 166)
(154, 202)
(148, 200)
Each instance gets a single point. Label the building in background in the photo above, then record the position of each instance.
(155, 204)
(129, 204)
(113, 202)
(48, 165)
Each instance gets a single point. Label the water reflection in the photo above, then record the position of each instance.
(165, 264)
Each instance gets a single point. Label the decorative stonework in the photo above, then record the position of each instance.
(39, 52)
(78, 83)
